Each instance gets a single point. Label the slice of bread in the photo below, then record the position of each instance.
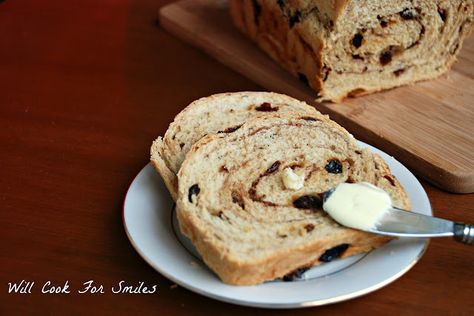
(246, 224)
(216, 113)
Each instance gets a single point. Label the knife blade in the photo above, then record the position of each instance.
(401, 223)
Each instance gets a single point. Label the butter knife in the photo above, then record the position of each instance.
(401, 223)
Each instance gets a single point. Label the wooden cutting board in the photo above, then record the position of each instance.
(429, 126)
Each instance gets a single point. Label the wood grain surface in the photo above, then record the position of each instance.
(85, 86)
(428, 126)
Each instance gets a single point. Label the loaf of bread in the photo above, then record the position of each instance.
(250, 221)
(219, 113)
(351, 47)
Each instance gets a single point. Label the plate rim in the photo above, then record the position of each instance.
(272, 305)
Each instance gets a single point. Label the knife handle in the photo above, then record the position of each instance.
(464, 233)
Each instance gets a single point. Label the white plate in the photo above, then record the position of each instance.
(148, 221)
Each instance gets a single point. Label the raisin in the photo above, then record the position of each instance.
(181, 145)
(257, 11)
(357, 56)
(357, 40)
(303, 78)
(309, 118)
(274, 167)
(266, 107)
(350, 180)
(383, 21)
(398, 72)
(193, 190)
(230, 129)
(334, 166)
(223, 169)
(408, 14)
(443, 14)
(333, 253)
(308, 202)
(281, 4)
(309, 227)
(297, 274)
(288, 278)
(220, 214)
(296, 18)
(237, 198)
(385, 57)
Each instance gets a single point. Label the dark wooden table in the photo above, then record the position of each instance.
(85, 86)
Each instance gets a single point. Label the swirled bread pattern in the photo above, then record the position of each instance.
(246, 224)
(219, 113)
(345, 48)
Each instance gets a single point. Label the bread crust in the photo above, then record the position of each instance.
(168, 176)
